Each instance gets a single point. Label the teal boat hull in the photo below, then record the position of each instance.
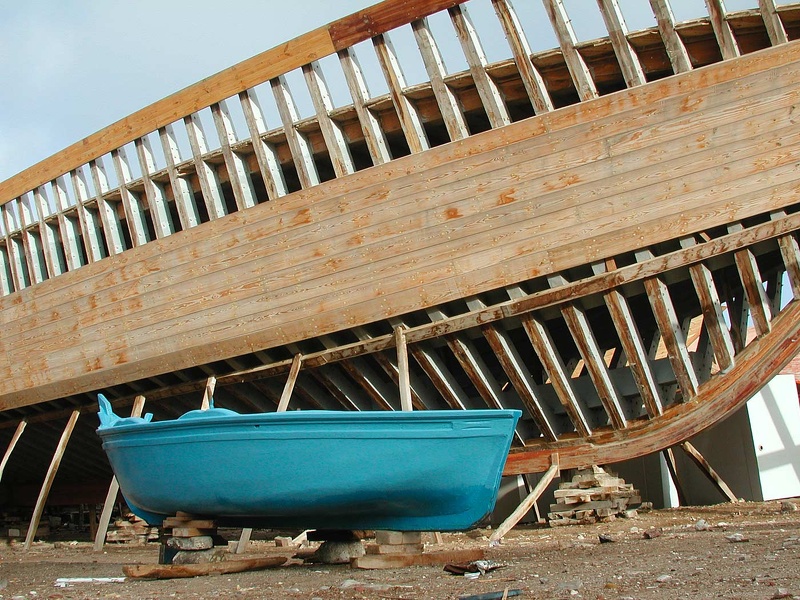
(404, 471)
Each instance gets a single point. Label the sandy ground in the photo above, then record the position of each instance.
(749, 550)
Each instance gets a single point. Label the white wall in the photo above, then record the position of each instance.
(775, 426)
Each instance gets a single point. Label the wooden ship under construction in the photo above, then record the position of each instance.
(539, 232)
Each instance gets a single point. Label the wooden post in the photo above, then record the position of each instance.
(529, 501)
(294, 371)
(208, 394)
(709, 472)
(672, 467)
(402, 367)
(11, 444)
(113, 490)
(283, 404)
(48, 480)
(244, 539)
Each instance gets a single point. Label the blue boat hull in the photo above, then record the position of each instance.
(404, 471)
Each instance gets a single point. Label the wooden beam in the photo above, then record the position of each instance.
(581, 76)
(155, 195)
(524, 506)
(518, 374)
(208, 393)
(182, 192)
(134, 211)
(713, 318)
(638, 361)
(113, 490)
(238, 171)
(754, 290)
(391, 368)
(676, 50)
(672, 467)
(335, 142)
(664, 312)
(244, 540)
(410, 121)
(790, 251)
(488, 91)
(68, 225)
(578, 325)
(531, 78)
(159, 571)
(709, 471)
(11, 445)
(618, 32)
(48, 480)
(297, 362)
(722, 29)
(449, 105)
(112, 227)
(302, 155)
(370, 126)
(266, 154)
(402, 367)
(207, 175)
(546, 351)
(441, 378)
(772, 21)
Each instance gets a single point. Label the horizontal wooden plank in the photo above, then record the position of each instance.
(414, 236)
(380, 204)
(279, 271)
(614, 107)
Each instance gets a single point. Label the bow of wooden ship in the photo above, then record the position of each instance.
(582, 233)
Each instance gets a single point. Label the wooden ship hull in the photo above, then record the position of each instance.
(582, 234)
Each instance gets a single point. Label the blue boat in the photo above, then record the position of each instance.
(402, 471)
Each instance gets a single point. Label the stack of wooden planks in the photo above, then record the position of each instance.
(130, 529)
(592, 495)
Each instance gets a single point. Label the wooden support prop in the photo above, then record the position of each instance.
(215, 568)
(297, 362)
(11, 444)
(48, 480)
(402, 367)
(113, 490)
(208, 394)
(301, 539)
(669, 459)
(283, 404)
(709, 472)
(244, 540)
(526, 504)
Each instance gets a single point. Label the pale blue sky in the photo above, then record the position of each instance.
(70, 67)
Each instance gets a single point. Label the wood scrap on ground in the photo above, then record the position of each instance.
(593, 495)
(397, 561)
(212, 568)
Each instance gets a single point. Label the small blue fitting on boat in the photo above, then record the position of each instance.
(109, 419)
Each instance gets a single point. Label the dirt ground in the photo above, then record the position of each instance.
(747, 550)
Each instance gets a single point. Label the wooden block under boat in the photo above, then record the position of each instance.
(189, 522)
